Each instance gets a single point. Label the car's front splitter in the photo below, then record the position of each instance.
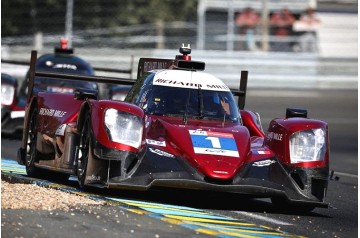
(264, 178)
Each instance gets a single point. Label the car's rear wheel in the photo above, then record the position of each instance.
(31, 152)
(83, 152)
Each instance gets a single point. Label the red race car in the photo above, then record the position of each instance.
(178, 127)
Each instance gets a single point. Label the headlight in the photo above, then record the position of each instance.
(7, 94)
(308, 145)
(123, 127)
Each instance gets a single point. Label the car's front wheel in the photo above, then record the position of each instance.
(83, 152)
(31, 152)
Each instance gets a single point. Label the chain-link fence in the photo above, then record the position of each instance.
(123, 24)
(94, 23)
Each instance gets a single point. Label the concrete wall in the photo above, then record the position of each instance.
(338, 35)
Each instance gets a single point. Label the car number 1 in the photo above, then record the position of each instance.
(213, 143)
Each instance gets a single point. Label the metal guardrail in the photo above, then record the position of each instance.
(266, 70)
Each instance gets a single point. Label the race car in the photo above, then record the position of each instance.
(62, 60)
(178, 127)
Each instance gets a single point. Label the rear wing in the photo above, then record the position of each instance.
(148, 64)
(145, 65)
(97, 69)
(241, 92)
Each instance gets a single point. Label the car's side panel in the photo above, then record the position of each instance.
(54, 112)
(278, 137)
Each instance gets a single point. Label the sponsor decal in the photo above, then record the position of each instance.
(65, 66)
(263, 152)
(150, 65)
(263, 163)
(213, 143)
(216, 86)
(93, 178)
(167, 82)
(156, 142)
(161, 153)
(60, 90)
(178, 83)
(51, 112)
(275, 136)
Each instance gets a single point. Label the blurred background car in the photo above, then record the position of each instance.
(12, 106)
(62, 60)
(13, 101)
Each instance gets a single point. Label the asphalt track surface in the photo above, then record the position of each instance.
(161, 213)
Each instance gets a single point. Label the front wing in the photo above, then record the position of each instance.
(156, 168)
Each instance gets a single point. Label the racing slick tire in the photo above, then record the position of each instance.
(283, 205)
(31, 152)
(84, 151)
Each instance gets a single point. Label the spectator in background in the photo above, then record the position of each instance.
(247, 21)
(281, 23)
(307, 26)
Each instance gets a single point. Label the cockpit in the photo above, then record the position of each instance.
(189, 103)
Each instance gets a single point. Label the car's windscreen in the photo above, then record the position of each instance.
(190, 103)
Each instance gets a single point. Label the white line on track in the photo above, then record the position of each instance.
(346, 174)
(264, 218)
